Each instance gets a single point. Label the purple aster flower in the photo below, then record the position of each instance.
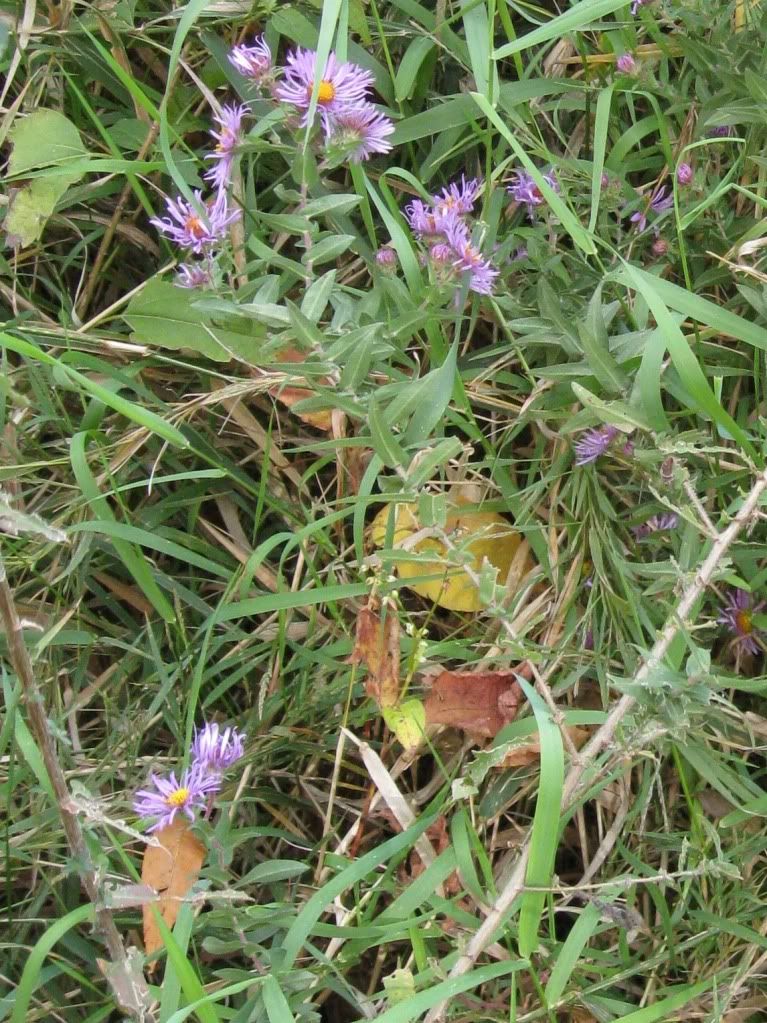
(427, 222)
(659, 203)
(254, 62)
(656, 524)
(341, 84)
(639, 3)
(194, 229)
(593, 443)
(386, 258)
(626, 64)
(722, 131)
(193, 275)
(229, 122)
(469, 260)
(524, 190)
(684, 174)
(215, 751)
(442, 254)
(359, 131)
(170, 795)
(737, 615)
(459, 197)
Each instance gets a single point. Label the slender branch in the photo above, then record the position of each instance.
(680, 618)
(22, 666)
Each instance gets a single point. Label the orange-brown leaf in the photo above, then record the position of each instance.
(376, 644)
(171, 868)
(480, 702)
(290, 395)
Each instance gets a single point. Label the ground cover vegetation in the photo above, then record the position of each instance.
(382, 488)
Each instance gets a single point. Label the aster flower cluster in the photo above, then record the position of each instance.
(442, 227)
(353, 129)
(213, 752)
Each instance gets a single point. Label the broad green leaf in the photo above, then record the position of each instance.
(165, 316)
(614, 413)
(43, 138)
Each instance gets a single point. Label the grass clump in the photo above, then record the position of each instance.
(382, 477)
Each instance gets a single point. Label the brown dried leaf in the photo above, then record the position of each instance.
(171, 868)
(290, 395)
(376, 644)
(480, 702)
(530, 753)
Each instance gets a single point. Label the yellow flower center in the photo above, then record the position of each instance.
(178, 798)
(744, 623)
(195, 226)
(326, 93)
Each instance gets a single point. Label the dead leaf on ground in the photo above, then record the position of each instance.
(530, 753)
(484, 536)
(171, 868)
(290, 395)
(376, 644)
(480, 702)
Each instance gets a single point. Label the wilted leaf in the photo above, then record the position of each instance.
(482, 535)
(530, 753)
(289, 395)
(126, 979)
(31, 206)
(408, 722)
(399, 986)
(171, 868)
(480, 702)
(376, 644)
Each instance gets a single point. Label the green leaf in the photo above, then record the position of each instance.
(577, 17)
(409, 66)
(434, 393)
(687, 366)
(328, 248)
(567, 218)
(41, 139)
(593, 335)
(31, 206)
(545, 836)
(569, 954)
(165, 316)
(614, 413)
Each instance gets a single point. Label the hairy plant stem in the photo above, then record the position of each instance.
(21, 663)
(573, 785)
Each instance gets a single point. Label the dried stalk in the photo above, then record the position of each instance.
(680, 618)
(121, 964)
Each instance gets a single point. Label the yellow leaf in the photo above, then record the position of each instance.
(481, 535)
(408, 722)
